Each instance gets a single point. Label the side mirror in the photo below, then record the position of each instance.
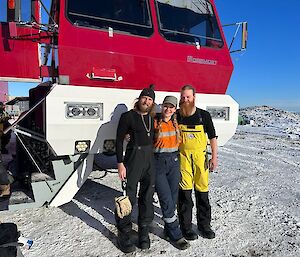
(20, 11)
(243, 34)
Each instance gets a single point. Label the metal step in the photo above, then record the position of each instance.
(45, 188)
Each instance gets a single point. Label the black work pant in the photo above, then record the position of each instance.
(185, 206)
(139, 163)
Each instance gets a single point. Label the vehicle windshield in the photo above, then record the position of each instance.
(189, 21)
(128, 16)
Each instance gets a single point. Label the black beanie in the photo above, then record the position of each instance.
(148, 92)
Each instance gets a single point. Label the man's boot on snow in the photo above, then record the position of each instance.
(144, 240)
(207, 232)
(4, 190)
(124, 242)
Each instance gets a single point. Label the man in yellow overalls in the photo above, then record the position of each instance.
(195, 126)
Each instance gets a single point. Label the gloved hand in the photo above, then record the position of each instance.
(123, 206)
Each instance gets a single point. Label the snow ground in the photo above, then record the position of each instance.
(255, 198)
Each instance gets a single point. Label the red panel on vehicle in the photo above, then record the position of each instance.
(18, 58)
(139, 61)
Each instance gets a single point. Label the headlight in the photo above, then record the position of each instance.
(82, 146)
(75, 111)
(84, 110)
(219, 112)
(109, 147)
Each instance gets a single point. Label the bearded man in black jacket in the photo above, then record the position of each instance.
(137, 166)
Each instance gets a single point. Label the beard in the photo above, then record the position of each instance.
(143, 107)
(186, 108)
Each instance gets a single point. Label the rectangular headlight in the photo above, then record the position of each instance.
(219, 112)
(84, 111)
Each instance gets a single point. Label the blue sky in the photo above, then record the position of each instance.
(268, 72)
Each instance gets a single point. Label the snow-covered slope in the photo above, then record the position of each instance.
(286, 123)
(255, 198)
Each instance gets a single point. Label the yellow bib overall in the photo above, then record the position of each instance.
(193, 158)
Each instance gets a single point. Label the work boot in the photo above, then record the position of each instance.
(181, 244)
(124, 242)
(4, 190)
(189, 234)
(207, 232)
(144, 240)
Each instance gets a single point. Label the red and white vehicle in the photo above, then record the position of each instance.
(98, 56)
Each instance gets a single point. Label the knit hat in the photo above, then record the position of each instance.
(148, 92)
(170, 100)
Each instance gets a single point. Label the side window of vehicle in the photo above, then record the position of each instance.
(123, 16)
(190, 22)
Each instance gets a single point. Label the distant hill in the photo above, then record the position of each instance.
(265, 116)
